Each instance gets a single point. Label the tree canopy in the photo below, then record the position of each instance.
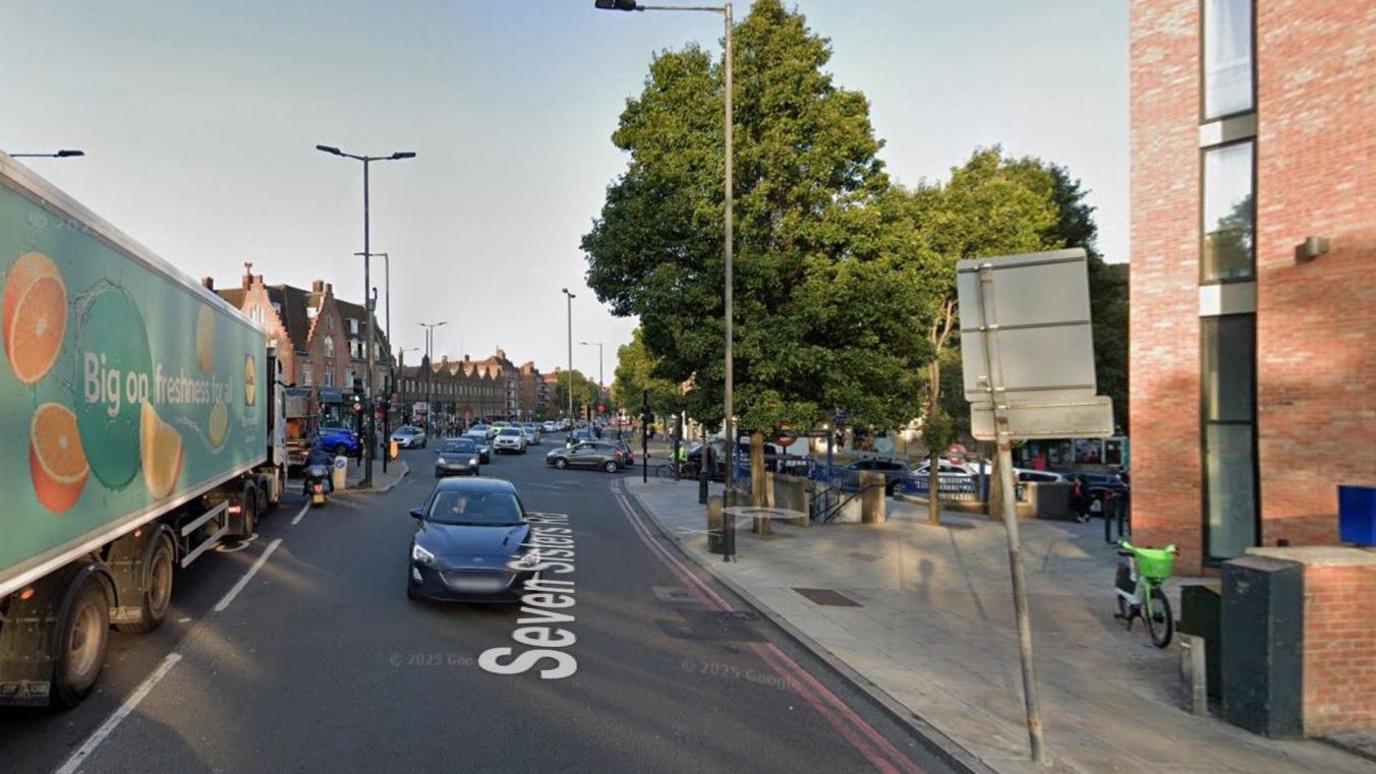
(844, 281)
(825, 314)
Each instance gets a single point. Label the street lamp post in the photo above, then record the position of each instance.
(725, 11)
(600, 384)
(387, 329)
(65, 153)
(570, 307)
(367, 289)
(430, 371)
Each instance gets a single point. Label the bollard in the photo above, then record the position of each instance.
(714, 524)
(728, 534)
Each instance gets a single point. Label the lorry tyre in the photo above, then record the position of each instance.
(248, 514)
(156, 584)
(83, 637)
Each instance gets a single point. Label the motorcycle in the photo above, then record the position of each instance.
(317, 480)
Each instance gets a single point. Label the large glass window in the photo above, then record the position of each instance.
(1229, 416)
(1227, 57)
(1229, 213)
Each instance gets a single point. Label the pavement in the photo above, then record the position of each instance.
(925, 622)
(382, 481)
(298, 651)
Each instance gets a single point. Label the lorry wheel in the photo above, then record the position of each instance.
(157, 587)
(85, 634)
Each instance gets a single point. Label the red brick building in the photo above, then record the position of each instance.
(1253, 347)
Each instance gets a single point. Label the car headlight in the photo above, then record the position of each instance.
(419, 554)
(439, 460)
(473, 461)
(527, 560)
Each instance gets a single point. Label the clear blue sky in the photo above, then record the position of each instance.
(199, 121)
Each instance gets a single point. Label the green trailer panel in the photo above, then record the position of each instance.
(126, 389)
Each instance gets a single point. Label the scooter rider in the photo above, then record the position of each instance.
(318, 457)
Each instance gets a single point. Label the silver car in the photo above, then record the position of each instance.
(510, 439)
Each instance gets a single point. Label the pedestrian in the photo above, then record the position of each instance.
(1079, 504)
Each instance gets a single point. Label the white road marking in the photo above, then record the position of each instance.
(94, 740)
(300, 515)
(248, 576)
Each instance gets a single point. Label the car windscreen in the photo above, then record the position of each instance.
(487, 509)
(457, 447)
(509, 431)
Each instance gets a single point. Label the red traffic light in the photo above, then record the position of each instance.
(358, 407)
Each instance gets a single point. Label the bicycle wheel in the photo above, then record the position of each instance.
(1161, 624)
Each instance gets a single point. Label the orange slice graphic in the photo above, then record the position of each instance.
(160, 447)
(35, 316)
(57, 462)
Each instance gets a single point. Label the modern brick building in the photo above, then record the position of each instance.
(1253, 324)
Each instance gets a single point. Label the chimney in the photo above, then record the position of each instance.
(444, 359)
(465, 358)
(329, 288)
(318, 286)
(501, 353)
(208, 283)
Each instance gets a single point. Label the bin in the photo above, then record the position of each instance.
(1357, 515)
(340, 474)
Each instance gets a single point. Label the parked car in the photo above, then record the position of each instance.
(339, 440)
(586, 455)
(408, 437)
(895, 472)
(471, 543)
(457, 457)
(510, 439)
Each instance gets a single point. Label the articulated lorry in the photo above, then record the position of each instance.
(142, 425)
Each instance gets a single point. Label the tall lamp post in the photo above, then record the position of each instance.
(387, 330)
(725, 11)
(597, 344)
(367, 291)
(65, 153)
(570, 307)
(430, 371)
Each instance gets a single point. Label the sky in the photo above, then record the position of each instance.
(199, 121)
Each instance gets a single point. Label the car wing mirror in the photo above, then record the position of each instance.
(418, 514)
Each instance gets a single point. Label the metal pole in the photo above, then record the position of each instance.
(726, 426)
(569, 298)
(367, 308)
(993, 367)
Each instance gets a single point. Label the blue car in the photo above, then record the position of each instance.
(340, 441)
(471, 544)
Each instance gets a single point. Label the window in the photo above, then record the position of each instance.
(307, 378)
(353, 326)
(329, 377)
(1229, 415)
(329, 345)
(1229, 213)
(1227, 58)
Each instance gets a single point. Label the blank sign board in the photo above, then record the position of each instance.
(1035, 314)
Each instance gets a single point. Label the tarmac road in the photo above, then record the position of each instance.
(320, 663)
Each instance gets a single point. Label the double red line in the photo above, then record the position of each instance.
(839, 715)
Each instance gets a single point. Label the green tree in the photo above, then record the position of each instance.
(827, 284)
(635, 372)
(585, 392)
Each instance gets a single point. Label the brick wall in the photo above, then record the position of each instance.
(256, 296)
(1316, 321)
(1164, 317)
(1339, 649)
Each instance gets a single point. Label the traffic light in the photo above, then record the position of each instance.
(615, 5)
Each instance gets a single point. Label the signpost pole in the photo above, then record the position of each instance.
(995, 388)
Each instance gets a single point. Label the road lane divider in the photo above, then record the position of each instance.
(248, 576)
(74, 762)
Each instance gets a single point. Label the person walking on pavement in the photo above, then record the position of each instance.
(1078, 501)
